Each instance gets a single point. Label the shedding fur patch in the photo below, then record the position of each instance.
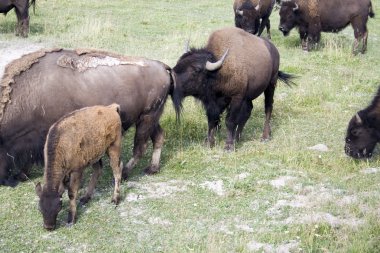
(85, 62)
(14, 69)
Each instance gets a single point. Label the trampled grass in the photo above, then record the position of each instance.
(277, 196)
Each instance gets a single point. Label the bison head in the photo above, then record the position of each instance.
(361, 137)
(194, 69)
(289, 13)
(50, 204)
(247, 17)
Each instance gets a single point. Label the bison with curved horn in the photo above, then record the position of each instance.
(247, 67)
(363, 131)
(253, 15)
(39, 88)
(315, 16)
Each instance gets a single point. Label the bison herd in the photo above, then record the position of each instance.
(67, 108)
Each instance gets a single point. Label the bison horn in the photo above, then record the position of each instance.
(239, 12)
(212, 66)
(186, 47)
(258, 6)
(295, 8)
(358, 119)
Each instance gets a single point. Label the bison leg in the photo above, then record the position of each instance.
(91, 185)
(245, 113)
(232, 122)
(269, 93)
(157, 138)
(75, 178)
(114, 152)
(143, 131)
(4, 165)
(213, 110)
(22, 13)
(360, 32)
(265, 22)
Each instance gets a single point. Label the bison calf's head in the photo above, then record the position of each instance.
(289, 12)
(50, 204)
(361, 138)
(247, 17)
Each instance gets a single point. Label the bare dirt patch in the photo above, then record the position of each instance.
(11, 50)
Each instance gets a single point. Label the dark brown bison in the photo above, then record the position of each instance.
(76, 141)
(240, 75)
(253, 15)
(22, 12)
(40, 87)
(315, 16)
(363, 131)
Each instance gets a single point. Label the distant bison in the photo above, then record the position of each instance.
(253, 15)
(240, 75)
(41, 87)
(22, 12)
(74, 142)
(363, 131)
(315, 16)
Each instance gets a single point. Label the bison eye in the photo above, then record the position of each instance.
(355, 132)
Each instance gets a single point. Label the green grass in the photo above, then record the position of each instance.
(273, 195)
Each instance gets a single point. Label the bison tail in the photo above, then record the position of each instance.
(176, 95)
(371, 14)
(286, 78)
(33, 2)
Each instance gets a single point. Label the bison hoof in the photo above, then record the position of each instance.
(229, 148)
(152, 170)
(125, 174)
(209, 143)
(84, 200)
(69, 224)
(265, 139)
(116, 201)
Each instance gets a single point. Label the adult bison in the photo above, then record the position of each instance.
(315, 16)
(22, 12)
(363, 131)
(253, 15)
(248, 66)
(40, 87)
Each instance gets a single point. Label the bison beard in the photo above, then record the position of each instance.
(232, 82)
(42, 91)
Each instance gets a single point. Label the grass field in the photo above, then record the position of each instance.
(277, 196)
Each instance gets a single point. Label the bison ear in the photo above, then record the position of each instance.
(38, 189)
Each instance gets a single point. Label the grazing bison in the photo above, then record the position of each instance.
(240, 75)
(315, 16)
(363, 131)
(75, 141)
(249, 12)
(41, 87)
(22, 12)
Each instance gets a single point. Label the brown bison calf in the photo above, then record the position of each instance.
(77, 140)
